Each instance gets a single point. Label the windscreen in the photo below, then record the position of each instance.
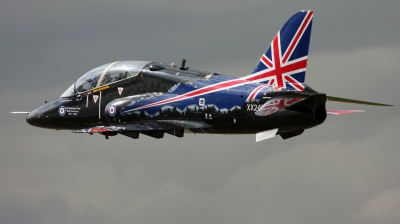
(69, 92)
(121, 70)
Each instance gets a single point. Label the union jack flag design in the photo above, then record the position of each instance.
(275, 105)
(284, 63)
(256, 91)
(282, 66)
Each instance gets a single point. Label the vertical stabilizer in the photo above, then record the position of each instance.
(284, 63)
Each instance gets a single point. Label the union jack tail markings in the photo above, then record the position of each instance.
(280, 68)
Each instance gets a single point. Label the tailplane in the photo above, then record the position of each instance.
(284, 63)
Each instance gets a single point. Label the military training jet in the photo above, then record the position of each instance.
(151, 98)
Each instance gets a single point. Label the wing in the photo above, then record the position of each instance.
(154, 128)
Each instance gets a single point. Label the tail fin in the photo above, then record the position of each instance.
(284, 64)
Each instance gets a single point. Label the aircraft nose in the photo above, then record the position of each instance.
(37, 118)
(33, 118)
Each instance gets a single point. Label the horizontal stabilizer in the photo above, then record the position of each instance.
(344, 100)
(340, 112)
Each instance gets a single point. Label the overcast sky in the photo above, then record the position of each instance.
(345, 171)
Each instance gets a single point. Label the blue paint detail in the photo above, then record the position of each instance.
(260, 67)
(223, 100)
(299, 76)
(289, 30)
(181, 88)
(302, 48)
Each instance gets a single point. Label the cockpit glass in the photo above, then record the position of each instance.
(90, 79)
(121, 70)
(69, 92)
(109, 73)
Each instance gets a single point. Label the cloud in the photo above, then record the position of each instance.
(383, 208)
(340, 172)
(323, 182)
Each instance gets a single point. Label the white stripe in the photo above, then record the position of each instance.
(279, 48)
(301, 35)
(100, 106)
(258, 73)
(297, 31)
(274, 76)
(186, 97)
(294, 61)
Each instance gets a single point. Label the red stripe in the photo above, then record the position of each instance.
(255, 92)
(271, 83)
(285, 69)
(277, 60)
(294, 83)
(196, 93)
(299, 34)
(266, 61)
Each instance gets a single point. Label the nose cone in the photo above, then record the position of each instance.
(40, 117)
(33, 118)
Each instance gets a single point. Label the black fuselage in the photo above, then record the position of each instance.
(226, 111)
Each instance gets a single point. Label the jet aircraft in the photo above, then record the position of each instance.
(151, 98)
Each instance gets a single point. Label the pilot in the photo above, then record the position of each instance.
(93, 81)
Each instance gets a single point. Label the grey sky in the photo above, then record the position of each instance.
(344, 171)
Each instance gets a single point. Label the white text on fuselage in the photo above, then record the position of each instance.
(253, 107)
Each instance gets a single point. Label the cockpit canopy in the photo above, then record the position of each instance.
(104, 75)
